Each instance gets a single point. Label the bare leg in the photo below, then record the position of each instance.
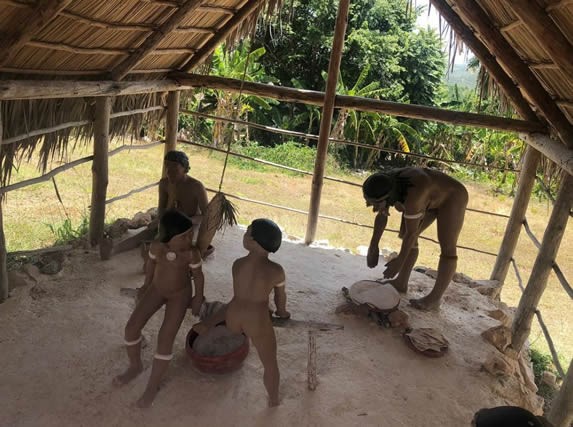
(450, 222)
(400, 283)
(266, 346)
(175, 310)
(446, 271)
(149, 304)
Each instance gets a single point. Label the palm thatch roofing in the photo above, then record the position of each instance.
(148, 39)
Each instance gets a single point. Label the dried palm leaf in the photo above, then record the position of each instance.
(220, 213)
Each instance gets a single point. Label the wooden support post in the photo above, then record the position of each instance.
(4, 286)
(100, 168)
(312, 380)
(561, 412)
(560, 154)
(543, 264)
(326, 119)
(520, 203)
(171, 122)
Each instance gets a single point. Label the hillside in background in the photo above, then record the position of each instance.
(461, 76)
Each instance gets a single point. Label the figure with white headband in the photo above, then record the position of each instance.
(423, 196)
(166, 283)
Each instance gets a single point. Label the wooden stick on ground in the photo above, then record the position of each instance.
(311, 367)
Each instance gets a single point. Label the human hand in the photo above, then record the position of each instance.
(196, 303)
(283, 314)
(201, 328)
(373, 256)
(392, 268)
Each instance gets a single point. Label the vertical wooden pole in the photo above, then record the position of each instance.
(513, 228)
(100, 168)
(4, 288)
(561, 412)
(326, 120)
(543, 263)
(171, 123)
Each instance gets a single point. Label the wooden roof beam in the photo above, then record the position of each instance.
(221, 35)
(504, 52)
(121, 70)
(487, 60)
(546, 33)
(312, 97)
(559, 5)
(40, 16)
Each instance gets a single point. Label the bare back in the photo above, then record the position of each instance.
(432, 190)
(253, 281)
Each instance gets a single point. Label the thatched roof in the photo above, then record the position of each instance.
(147, 39)
(549, 62)
(112, 38)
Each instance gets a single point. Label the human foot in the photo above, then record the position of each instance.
(273, 402)
(210, 249)
(425, 303)
(128, 375)
(146, 400)
(398, 285)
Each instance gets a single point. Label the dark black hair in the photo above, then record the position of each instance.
(267, 234)
(505, 416)
(381, 183)
(172, 223)
(178, 157)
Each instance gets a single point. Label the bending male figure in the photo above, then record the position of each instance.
(423, 196)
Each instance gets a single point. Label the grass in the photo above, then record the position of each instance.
(27, 213)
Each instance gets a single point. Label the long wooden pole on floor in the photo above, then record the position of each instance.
(520, 203)
(4, 288)
(171, 123)
(326, 119)
(543, 263)
(561, 412)
(100, 169)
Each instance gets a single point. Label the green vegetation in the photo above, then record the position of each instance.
(66, 232)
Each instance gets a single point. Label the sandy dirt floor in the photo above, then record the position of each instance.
(61, 343)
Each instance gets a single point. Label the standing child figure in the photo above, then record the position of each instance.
(166, 282)
(254, 277)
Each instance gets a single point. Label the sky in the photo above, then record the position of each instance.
(432, 20)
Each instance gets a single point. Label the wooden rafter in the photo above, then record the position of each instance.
(221, 34)
(511, 26)
(472, 12)
(217, 9)
(78, 49)
(487, 60)
(107, 24)
(546, 33)
(559, 5)
(151, 43)
(99, 23)
(41, 15)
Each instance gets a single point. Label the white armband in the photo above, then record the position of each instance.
(414, 216)
(196, 265)
(151, 256)
(280, 285)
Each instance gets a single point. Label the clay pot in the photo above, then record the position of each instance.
(105, 248)
(216, 364)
